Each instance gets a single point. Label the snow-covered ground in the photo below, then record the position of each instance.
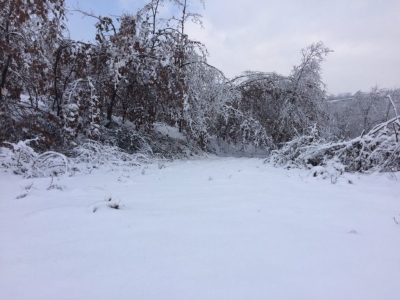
(216, 228)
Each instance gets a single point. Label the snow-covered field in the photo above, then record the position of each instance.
(215, 228)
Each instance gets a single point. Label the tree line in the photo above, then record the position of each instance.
(143, 69)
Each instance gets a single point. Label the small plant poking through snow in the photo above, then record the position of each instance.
(114, 205)
(108, 202)
(54, 186)
(319, 171)
(144, 170)
(28, 187)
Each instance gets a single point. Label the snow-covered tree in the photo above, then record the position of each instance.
(287, 106)
(29, 32)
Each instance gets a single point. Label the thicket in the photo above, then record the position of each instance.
(65, 96)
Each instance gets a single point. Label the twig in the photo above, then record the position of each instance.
(51, 183)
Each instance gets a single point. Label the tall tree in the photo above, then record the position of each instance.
(28, 29)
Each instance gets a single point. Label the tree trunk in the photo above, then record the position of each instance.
(111, 107)
(4, 77)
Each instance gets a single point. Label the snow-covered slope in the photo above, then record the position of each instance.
(216, 228)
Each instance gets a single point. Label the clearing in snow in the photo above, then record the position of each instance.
(215, 228)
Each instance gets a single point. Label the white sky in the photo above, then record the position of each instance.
(267, 35)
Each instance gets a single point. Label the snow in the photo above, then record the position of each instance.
(212, 228)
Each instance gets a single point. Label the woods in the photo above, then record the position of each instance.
(143, 70)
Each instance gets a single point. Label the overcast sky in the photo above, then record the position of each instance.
(267, 35)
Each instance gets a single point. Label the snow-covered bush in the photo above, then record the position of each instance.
(295, 152)
(23, 160)
(93, 154)
(378, 150)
